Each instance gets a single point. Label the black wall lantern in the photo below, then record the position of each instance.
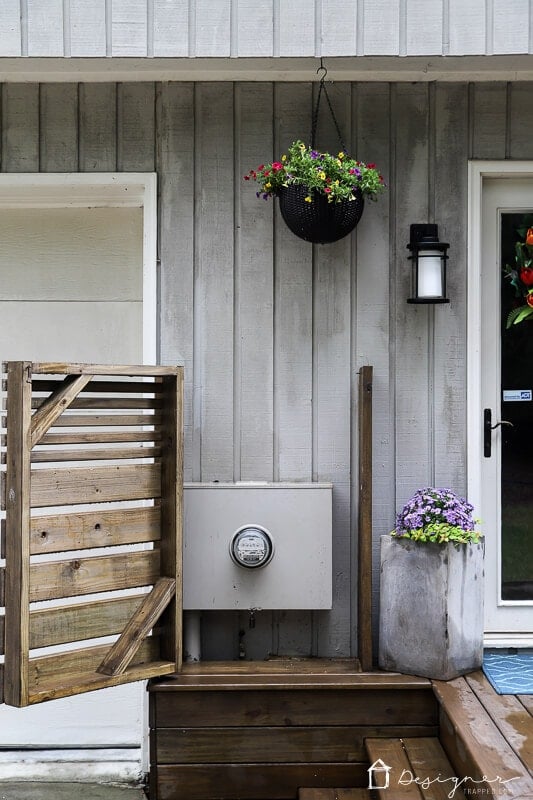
(428, 257)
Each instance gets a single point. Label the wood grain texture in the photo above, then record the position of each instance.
(77, 576)
(283, 744)
(98, 127)
(51, 487)
(171, 28)
(88, 28)
(129, 21)
(136, 127)
(54, 405)
(20, 128)
(59, 128)
(392, 752)
(381, 27)
(124, 650)
(45, 28)
(488, 123)
(307, 706)
(260, 781)
(17, 570)
(364, 551)
(478, 750)
(467, 26)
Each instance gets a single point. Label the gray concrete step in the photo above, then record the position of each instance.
(31, 790)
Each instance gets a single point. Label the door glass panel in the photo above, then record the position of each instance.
(516, 408)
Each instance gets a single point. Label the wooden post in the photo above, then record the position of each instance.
(17, 589)
(364, 596)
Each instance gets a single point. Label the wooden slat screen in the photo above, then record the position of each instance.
(92, 476)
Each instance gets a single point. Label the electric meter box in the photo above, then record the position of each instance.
(257, 546)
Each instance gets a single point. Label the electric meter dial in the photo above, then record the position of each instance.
(251, 547)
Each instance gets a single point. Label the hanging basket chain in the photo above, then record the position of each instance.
(314, 121)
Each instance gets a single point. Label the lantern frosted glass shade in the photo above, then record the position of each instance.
(428, 261)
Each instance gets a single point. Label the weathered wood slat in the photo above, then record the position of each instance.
(106, 420)
(69, 578)
(103, 387)
(105, 403)
(474, 744)
(54, 405)
(80, 621)
(435, 775)
(510, 716)
(392, 753)
(347, 667)
(303, 707)
(287, 743)
(70, 665)
(94, 484)
(139, 370)
(58, 533)
(137, 628)
(77, 622)
(109, 454)
(100, 437)
(527, 702)
(260, 781)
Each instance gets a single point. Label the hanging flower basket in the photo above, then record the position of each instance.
(319, 221)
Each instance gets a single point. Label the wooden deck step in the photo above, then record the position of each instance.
(488, 737)
(334, 794)
(411, 769)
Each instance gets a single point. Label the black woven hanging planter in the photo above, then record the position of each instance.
(320, 221)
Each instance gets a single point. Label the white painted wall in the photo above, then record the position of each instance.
(224, 28)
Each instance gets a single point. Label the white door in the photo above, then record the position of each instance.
(71, 289)
(503, 468)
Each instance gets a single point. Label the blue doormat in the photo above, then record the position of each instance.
(509, 673)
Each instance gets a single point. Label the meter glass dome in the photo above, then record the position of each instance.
(251, 546)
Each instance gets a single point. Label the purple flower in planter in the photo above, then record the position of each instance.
(437, 515)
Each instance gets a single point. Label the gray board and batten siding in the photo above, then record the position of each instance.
(272, 331)
(244, 28)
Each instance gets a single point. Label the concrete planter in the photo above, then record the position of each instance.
(431, 608)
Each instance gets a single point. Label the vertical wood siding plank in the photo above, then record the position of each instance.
(382, 28)
(297, 28)
(20, 127)
(214, 279)
(255, 31)
(333, 267)
(171, 28)
(129, 28)
(521, 120)
(87, 28)
(213, 28)
(293, 310)
(373, 294)
(175, 162)
(59, 127)
(451, 186)
(10, 32)
(424, 27)
(412, 323)
(45, 28)
(338, 29)
(488, 120)
(293, 349)
(254, 281)
(467, 27)
(510, 26)
(136, 127)
(98, 125)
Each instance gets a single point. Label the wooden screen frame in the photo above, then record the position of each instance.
(158, 479)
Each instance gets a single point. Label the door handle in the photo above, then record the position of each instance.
(488, 427)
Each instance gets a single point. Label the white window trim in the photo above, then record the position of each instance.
(98, 189)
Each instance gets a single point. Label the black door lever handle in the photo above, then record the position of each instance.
(488, 427)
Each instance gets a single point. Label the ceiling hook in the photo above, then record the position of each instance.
(323, 69)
